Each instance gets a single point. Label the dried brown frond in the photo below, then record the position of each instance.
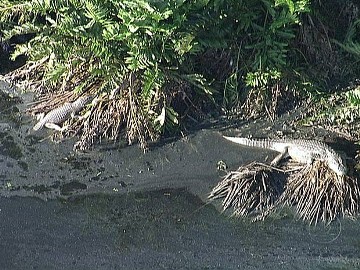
(29, 75)
(110, 115)
(271, 101)
(49, 101)
(319, 194)
(32, 76)
(103, 120)
(250, 190)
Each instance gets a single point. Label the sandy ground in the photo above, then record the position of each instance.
(119, 208)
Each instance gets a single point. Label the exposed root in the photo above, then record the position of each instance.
(50, 101)
(271, 100)
(250, 190)
(103, 120)
(108, 117)
(316, 192)
(319, 194)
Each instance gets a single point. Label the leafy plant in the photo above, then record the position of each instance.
(82, 43)
(353, 97)
(351, 43)
(148, 54)
(265, 33)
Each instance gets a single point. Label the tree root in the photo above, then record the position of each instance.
(316, 192)
(319, 194)
(250, 190)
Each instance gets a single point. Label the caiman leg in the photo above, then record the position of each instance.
(56, 127)
(279, 157)
(40, 116)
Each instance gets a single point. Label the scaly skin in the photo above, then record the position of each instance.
(62, 113)
(303, 151)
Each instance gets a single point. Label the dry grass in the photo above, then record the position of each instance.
(250, 190)
(121, 113)
(316, 193)
(111, 117)
(270, 101)
(319, 194)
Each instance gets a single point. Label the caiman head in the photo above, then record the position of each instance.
(337, 163)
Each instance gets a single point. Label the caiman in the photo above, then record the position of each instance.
(62, 113)
(302, 151)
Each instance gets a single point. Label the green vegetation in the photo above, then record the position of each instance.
(338, 109)
(342, 115)
(315, 192)
(156, 64)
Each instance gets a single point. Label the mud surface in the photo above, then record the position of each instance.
(119, 208)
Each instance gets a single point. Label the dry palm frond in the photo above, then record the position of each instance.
(29, 76)
(272, 100)
(104, 121)
(321, 195)
(250, 190)
(111, 115)
(50, 101)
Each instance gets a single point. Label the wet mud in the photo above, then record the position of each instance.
(119, 208)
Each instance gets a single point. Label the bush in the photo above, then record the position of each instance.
(153, 63)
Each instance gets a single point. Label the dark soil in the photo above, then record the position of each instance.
(119, 208)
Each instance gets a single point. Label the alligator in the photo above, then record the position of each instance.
(302, 151)
(62, 113)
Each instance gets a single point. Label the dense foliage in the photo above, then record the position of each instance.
(161, 60)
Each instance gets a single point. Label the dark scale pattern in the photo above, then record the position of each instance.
(304, 151)
(63, 112)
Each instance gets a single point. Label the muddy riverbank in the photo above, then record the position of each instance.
(164, 229)
(119, 208)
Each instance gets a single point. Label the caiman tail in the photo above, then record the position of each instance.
(62, 113)
(303, 151)
(39, 125)
(260, 143)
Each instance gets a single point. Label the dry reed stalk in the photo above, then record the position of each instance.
(106, 120)
(319, 194)
(50, 101)
(250, 190)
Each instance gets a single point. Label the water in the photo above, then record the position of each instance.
(117, 208)
(164, 229)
